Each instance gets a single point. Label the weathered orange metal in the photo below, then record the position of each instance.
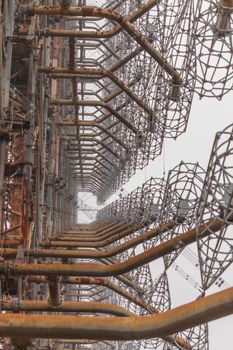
(101, 282)
(103, 34)
(113, 228)
(200, 311)
(103, 235)
(99, 73)
(68, 306)
(226, 3)
(91, 254)
(82, 307)
(94, 229)
(83, 269)
(95, 103)
(98, 243)
(112, 16)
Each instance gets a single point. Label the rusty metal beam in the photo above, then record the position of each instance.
(113, 228)
(91, 254)
(121, 230)
(99, 73)
(68, 306)
(87, 34)
(114, 269)
(99, 244)
(75, 98)
(101, 282)
(94, 226)
(95, 103)
(81, 307)
(68, 123)
(200, 311)
(112, 16)
(110, 231)
(98, 228)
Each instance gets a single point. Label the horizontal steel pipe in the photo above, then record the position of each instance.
(126, 266)
(68, 306)
(101, 73)
(91, 254)
(172, 321)
(116, 228)
(94, 228)
(97, 34)
(122, 230)
(93, 244)
(82, 307)
(112, 16)
(101, 282)
(95, 103)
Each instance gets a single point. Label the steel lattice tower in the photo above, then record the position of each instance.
(89, 92)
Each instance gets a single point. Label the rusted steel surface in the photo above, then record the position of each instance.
(113, 16)
(189, 315)
(113, 83)
(90, 254)
(117, 229)
(87, 72)
(112, 229)
(83, 307)
(98, 227)
(103, 34)
(115, 269)
(102, 282)
(95, 103)
(99, 243)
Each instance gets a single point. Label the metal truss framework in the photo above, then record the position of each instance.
(87, 96)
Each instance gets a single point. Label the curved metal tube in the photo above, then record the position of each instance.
(101, 236)
(99, 73)
(101, 282)
(82, 307)
(90, 254)
(178, 319)
(112, 16)
(95, 103)
(68, 306)
(93, 244)
(98, 270)
(91, 34)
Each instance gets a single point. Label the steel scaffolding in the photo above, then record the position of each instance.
(89, 91)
